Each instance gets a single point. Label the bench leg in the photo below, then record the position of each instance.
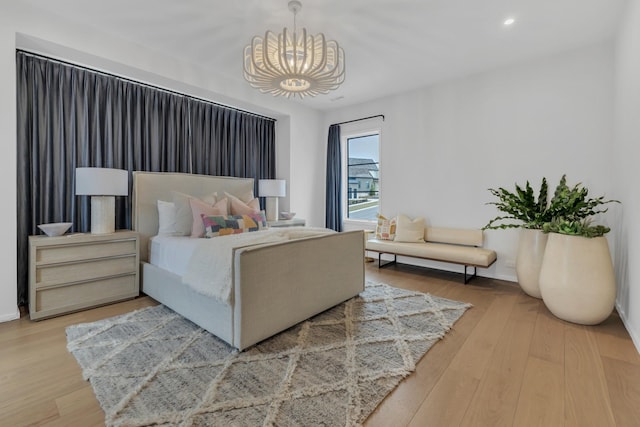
(466, 280)
(386, 264)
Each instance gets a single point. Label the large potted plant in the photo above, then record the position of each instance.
(522, 210)
(577, 282)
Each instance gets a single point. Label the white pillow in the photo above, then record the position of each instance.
(166, 217)
(408, 230)
(184, 217)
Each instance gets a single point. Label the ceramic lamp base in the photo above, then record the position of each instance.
(272, 208)
(103, 214)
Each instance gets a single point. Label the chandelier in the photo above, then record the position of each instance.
(289, 64)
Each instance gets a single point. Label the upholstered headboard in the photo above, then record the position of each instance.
(149, 187)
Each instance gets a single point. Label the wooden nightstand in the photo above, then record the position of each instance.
(295, 222)
(77, 271)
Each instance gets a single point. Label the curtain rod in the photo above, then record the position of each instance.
(126, 79)
(357, 120)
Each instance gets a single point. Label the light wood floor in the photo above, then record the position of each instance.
(506, 362)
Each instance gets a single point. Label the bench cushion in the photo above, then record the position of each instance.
(467, 255)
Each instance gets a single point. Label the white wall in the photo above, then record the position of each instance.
(626, 171)
(308, 165)
(442, 147)
(8, 236)
(26, 27)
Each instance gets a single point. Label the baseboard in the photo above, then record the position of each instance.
(635, 335)
(10, 316)
(505, 277)
(442, 266)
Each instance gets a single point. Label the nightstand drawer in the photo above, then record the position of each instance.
(74, 252)
(64, 299)
(81, 270)
(86, 270)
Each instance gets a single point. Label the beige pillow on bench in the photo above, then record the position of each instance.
(410, 231)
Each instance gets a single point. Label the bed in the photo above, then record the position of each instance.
(273, 286)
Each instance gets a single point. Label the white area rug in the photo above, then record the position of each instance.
(153, 366)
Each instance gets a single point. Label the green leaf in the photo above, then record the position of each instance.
(568, 208)
(521, 207)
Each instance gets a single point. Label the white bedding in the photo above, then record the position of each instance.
(172, 253)
(206, 264)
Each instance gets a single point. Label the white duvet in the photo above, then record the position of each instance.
(209, 270)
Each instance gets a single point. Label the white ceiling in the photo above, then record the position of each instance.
(391, 46)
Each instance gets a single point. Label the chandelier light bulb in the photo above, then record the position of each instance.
(294, 63)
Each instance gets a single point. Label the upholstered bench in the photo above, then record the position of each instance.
(457, 246)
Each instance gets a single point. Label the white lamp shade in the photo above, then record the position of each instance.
(102, 182)
(272, 187)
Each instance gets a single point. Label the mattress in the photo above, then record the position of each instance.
(205, 264)
(172, 253)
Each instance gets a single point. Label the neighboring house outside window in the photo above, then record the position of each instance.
(362, 172)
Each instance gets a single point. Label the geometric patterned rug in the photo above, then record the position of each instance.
(152, 366)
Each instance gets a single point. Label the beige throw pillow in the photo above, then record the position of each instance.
(240, 207)
(198, 208)
(408, 230)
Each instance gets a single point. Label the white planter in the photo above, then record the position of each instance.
(531, 248)
(577, 281)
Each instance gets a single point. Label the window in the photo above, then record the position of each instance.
(363, 177)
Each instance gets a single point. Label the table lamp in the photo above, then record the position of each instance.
(102, 184)
(272, 189)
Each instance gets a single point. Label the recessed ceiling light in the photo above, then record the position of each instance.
(508, 21)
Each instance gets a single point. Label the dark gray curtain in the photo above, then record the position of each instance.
(231, 143)
(333, 214)
(70, 117)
